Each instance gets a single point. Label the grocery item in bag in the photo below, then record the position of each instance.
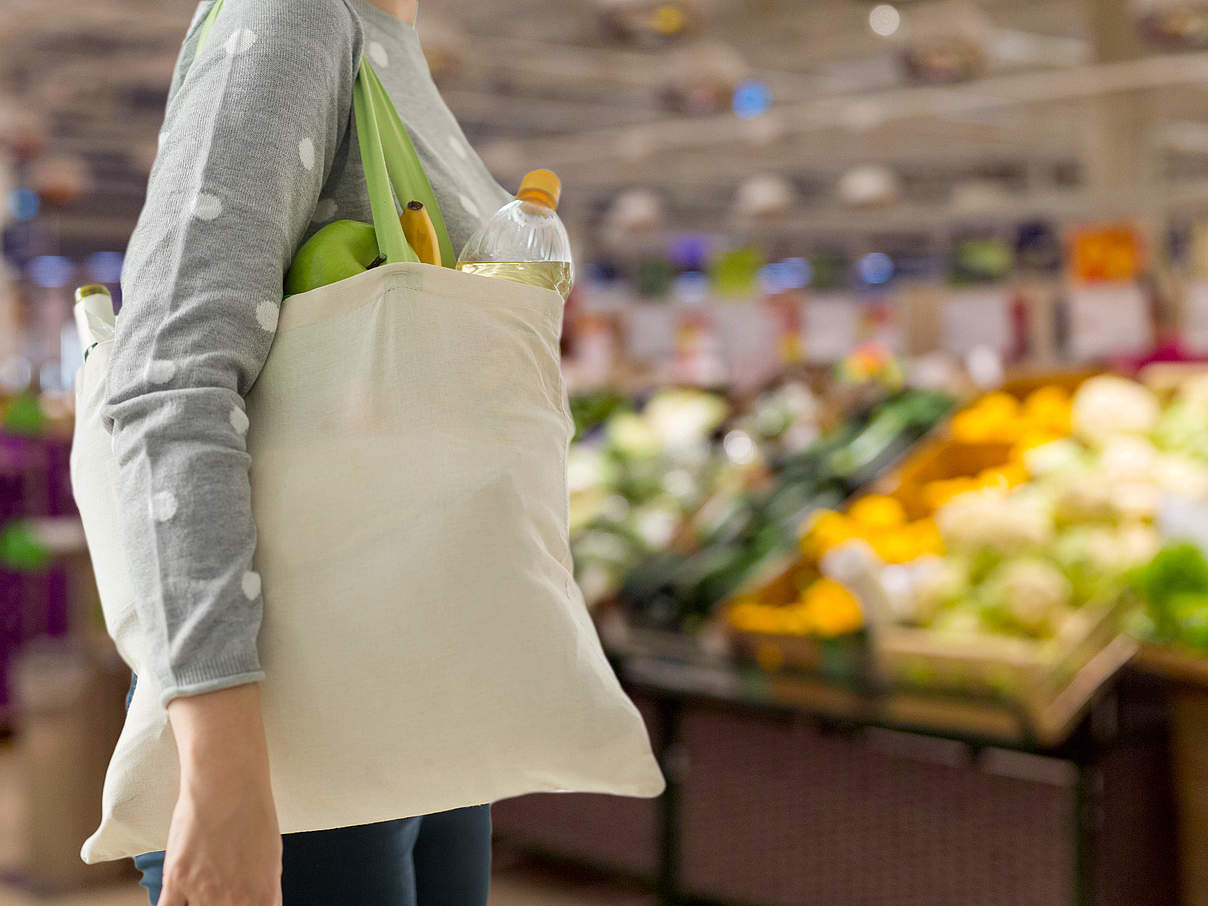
(94, 316)
(524, 241)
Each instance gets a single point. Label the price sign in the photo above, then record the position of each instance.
(650, 332)
(1195, 317)
(977, 318)
(831, 327)
(747, 334)
(1106, 254)
(1107, 320)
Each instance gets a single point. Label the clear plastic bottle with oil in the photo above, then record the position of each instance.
(524, 241)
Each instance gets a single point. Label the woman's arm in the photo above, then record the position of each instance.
(248, 141)
(249, 138)
(224, 843)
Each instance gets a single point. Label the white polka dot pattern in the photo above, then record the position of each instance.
(266, 314)
(306, 151)
(251, 585)
(206, 206)
(239, 420)
(160, 371)
(239, 41)
(378, 54)
(163, 506)
(324, 210)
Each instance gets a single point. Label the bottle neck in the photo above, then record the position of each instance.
(537, 196)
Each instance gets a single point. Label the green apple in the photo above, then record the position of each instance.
(341, 249)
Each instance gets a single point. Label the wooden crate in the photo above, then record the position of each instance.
(943, 457)
(842, 659)
(1051, 682)
(940, 459)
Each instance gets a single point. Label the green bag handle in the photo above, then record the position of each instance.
(388, 158)
(402, 161)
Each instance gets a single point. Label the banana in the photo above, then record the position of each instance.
(420, 233)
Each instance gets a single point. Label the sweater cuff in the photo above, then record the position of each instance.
(208, 676)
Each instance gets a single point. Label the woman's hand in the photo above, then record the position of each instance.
(224, 844)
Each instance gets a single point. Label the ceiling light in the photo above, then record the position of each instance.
(884, 19)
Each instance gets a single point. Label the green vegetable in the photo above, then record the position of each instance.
(1173, 585)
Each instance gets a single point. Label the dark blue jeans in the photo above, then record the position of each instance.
(441, 859)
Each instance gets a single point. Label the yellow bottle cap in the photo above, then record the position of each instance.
(91, 290)
(542, 187)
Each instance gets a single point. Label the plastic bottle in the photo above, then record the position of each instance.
(524, 241)
(94, 316)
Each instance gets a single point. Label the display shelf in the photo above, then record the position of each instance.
(980, 719)
(1173, 663)
(753, 772)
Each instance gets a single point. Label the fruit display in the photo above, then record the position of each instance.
(878, 519)
(1017, 577)
(1022, 557)
(985, 450)
(1035, 578)
(1000, 417)
(751, 537)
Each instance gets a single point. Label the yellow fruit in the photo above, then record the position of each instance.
(420, 233)
(1049, 407)
(971, 426)
(1014, 474)
(837, 614)
(898, 546)
(999, 405)
(877, 511)
(927, 537)
(828, 530)
(826, 594)
(821, 520)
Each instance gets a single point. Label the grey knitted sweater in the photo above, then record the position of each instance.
(256, 153)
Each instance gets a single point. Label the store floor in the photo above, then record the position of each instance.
(518, 880)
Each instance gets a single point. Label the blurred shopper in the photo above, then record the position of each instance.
(256, 154)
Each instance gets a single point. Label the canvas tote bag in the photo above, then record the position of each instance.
(424, 641)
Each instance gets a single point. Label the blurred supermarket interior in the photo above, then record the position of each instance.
(888, 358)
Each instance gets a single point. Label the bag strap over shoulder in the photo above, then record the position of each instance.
(388, 159)
(406, 171)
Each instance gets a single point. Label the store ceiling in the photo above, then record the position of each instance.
(539, 83)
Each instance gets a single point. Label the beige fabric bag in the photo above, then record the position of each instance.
(425, 644)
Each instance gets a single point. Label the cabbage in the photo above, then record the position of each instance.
(1106, 406)
(995, 520)
(1028, 596)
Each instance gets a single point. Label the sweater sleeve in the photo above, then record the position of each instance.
(250, 133)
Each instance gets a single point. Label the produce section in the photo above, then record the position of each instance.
(997, 551)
